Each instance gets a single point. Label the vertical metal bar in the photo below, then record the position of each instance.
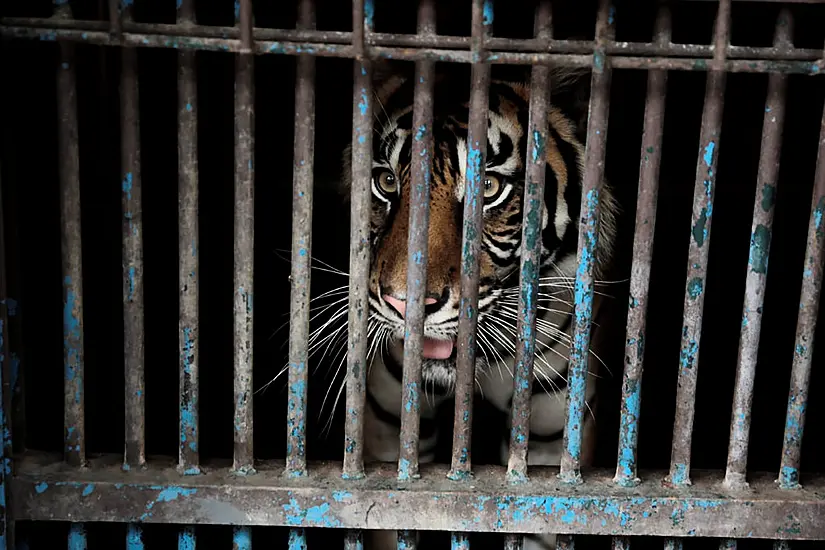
(407, 540)
(132, 231)
(417, 251)
(134, 537)
(243, 16)
(514, 542)
(6, 391)
(588, 238)
(805, 328)
(651, 156)
(757, 274)
(115, 28)
(620, 543)
(536, 156)
(242, 538)
(482, 24)
(188, 245)
(74, 429)
(673, 544)
(297, 539)
(186, 538)
(244, 250)
(698, 253)
(459, 541)
(302, 166)
(565, 542)
(728, 544)
(359, 252)
(77, 537)
(782, 545)
(354, 540)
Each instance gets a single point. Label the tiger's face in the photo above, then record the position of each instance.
(503, 186)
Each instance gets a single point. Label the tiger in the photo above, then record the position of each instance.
(500, 251)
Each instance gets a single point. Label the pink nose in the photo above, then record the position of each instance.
(401, 306)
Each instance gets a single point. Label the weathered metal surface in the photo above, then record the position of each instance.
(134, 537)
(473, 198)
(592, 182)
(115, 25)
(417, 253)
(302, 193)
(46, 490)
(186, 538)
(805, 328)
(243, 18)
(407, 540)
(71, 251)
(354, 540)
(673, 544)
(536, 167)
(651, 156)
(698, 251)
(244, 256)
(188, 253)
(459, 541)
(514, 542)
(242, 538)
(297, 539)
(359, 252)
(620, 543)
(132, 244)
(77, 537)
(757, 270)
(727, 544)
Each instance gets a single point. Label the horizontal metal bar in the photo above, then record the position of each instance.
(750, 65)
(45, 489)
(530, 45)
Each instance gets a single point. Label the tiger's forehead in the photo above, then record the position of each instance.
(505, 140)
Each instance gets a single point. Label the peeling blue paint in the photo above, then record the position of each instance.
(237, 10)
(186, 539)
(759, 249)
(341, 496)
(314, 516)
(242, 538)
(167, 494)
(88, 490)
(629, 433)
(789, 477)
(131, 277)
(679, 476)
(134, 537)
(708, 156)
(297, 539)
(487, 12)
(127, 185)
(695, 287)
(611, 15)
(77, 537)
(369, 13)
(363, 104)
(538, 146)
(41, 487)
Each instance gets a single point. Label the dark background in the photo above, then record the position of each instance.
(31, 218)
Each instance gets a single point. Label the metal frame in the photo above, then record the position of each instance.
(534, 500)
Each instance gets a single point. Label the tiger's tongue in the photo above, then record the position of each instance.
(437, 349)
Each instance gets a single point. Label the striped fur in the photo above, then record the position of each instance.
(499, 265)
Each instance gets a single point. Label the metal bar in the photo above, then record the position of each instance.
(728, 544)
(459, 541)
(134, 537)
(244, 256)
(243, 17)
(588, 240)
(482, 23)
(651, 156)
(407, 540)
(673, 544)
(6, 450)
(514, 542)
(565, 542)
(417, 253)
(115, 24)
(242, 538)
(536, 167)
(354, 540)
(188, 246)
(805, 328)
(782, 545)
(186, 538)
(757, 274)
(77, 537)
(359, 251)
(49, 491)
(132, 242)
(698, 254)
(302, 171)
(74, 429)
(297, 539)
(497, 57)
(530, 45)
(620, 543)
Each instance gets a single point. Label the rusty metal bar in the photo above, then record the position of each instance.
(77, 537)
(459, 541)
(186, 538)
(244, 253)
(673, 544)
(651, 156)
(698, 253)
(417, 253)
(354, 540)
(132, 235)
(302, 171)
(188, 246)
(482, 23)
(402, 41)
(588, 240)
(765, 64)
(359, 252)
(134, 537)
(565, 542)
(407, 540)
(620, 543)
(535, 169)
(69, 165)
(243, 17)
(297, 539)
(513, 542)
(805, 328)
(242, 538)
(757, 272)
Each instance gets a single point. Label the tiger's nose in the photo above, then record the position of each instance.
(400, 305)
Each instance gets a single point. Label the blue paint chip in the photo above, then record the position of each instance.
(41, 487)
(708, 156)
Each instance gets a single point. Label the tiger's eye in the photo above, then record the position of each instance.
(491, 185)
(387, 182)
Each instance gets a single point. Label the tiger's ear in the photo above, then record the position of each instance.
(570, 90)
